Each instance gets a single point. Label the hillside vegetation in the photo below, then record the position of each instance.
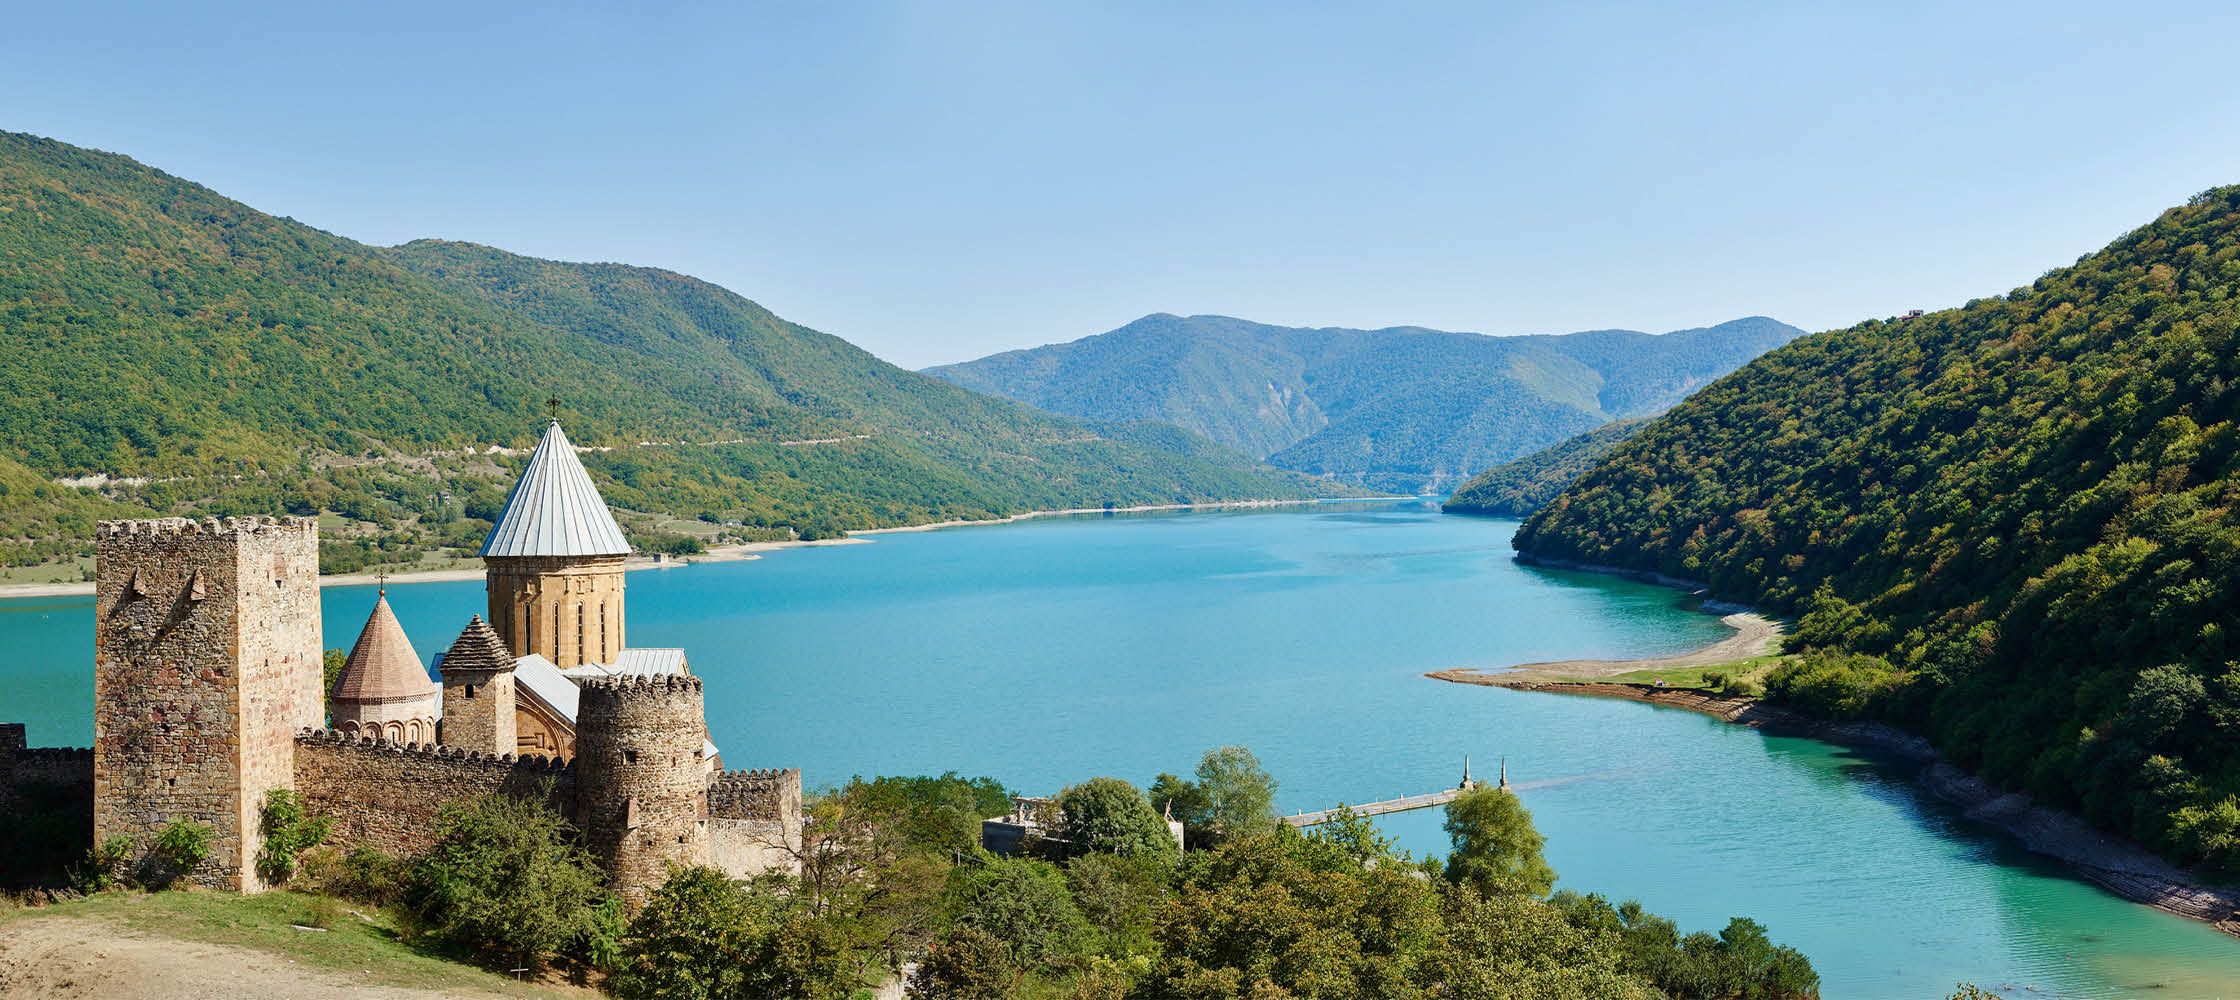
(2017, 523)
(208, 358)
(1404, 409)
(1522, 487)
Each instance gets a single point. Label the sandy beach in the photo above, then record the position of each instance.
(1754, 635)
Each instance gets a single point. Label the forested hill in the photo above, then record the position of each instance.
(1522, 487)
(2029, 505)
(154, 330)
(1402, 409)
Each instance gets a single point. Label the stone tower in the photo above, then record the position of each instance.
(383, 691)
(554, 562)
(478, 696)
(641, 782)
(206, 662)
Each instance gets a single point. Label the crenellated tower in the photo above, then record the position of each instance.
(641, 779)
(206, 662)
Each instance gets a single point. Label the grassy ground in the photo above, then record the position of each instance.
(1748, 674)
(72, 570)
(368, 950)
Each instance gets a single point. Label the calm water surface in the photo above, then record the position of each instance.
(1050, 651)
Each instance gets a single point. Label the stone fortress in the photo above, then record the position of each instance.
(208, 695)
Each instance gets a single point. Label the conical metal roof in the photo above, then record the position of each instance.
(383, 666)
(554, 509)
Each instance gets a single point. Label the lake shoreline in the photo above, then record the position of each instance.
(733, 553)
(2117, 865)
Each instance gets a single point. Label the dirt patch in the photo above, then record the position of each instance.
(73, 956)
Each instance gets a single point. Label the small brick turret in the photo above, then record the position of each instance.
(206, 662)
(641, 781)
(478, 696)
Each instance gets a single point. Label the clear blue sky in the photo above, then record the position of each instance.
(938, 181)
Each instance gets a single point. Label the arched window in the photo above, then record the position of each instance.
(396, 732)
(412, 731)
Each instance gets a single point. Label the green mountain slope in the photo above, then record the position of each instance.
(1405, 409)
(222, 360)
(1522, 487)
(2029, 505)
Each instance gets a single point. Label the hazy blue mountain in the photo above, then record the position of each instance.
(1405, 408)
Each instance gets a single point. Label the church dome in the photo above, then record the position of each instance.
(383, 666)
(555, 510)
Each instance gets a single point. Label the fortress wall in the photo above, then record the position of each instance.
(754, 823)
(386, 796)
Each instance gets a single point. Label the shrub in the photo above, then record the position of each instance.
(361, 873)
(103, 862)
(504, 881)
(1022, 903)
(179, 848)
(289, 830)
(966, 965)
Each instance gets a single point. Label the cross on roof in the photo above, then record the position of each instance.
(553, 403)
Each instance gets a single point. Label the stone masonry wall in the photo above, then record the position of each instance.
(642, 785)
(386, 796)
(206, 652)
(567, 609)
(754, 821)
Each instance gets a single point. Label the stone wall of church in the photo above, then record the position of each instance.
(567, 609)
(386, 795)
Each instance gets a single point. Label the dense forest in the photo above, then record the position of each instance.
(184, 353)
(1405, 410)
(2014, 524)
(1522, 487)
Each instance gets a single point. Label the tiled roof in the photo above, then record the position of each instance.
(554, 509)
(478, 648)
(383, 666)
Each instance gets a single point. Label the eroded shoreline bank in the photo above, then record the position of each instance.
(2111, 862)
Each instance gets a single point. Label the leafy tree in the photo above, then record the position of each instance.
(331, 669)
(1496, 847)
(940, 813)
(1240, 795)
(1118, 896)
(1023, 904)
(697, 938)
(1110, 815)
(1181, 798)
(505, 881)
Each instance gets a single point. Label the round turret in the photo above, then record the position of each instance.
(641, 780)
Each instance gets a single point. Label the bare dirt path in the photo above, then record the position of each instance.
(1754, 635)
(74, 956)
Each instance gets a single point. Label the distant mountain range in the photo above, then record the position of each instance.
(216, 359)
(1404, 409)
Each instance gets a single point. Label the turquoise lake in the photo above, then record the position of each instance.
(1054, 650)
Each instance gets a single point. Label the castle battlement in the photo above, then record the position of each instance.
(761, 776)
(641, 686)
(433, 751)
(55, 755)
(207, 526)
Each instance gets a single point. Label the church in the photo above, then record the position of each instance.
(555, 581)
